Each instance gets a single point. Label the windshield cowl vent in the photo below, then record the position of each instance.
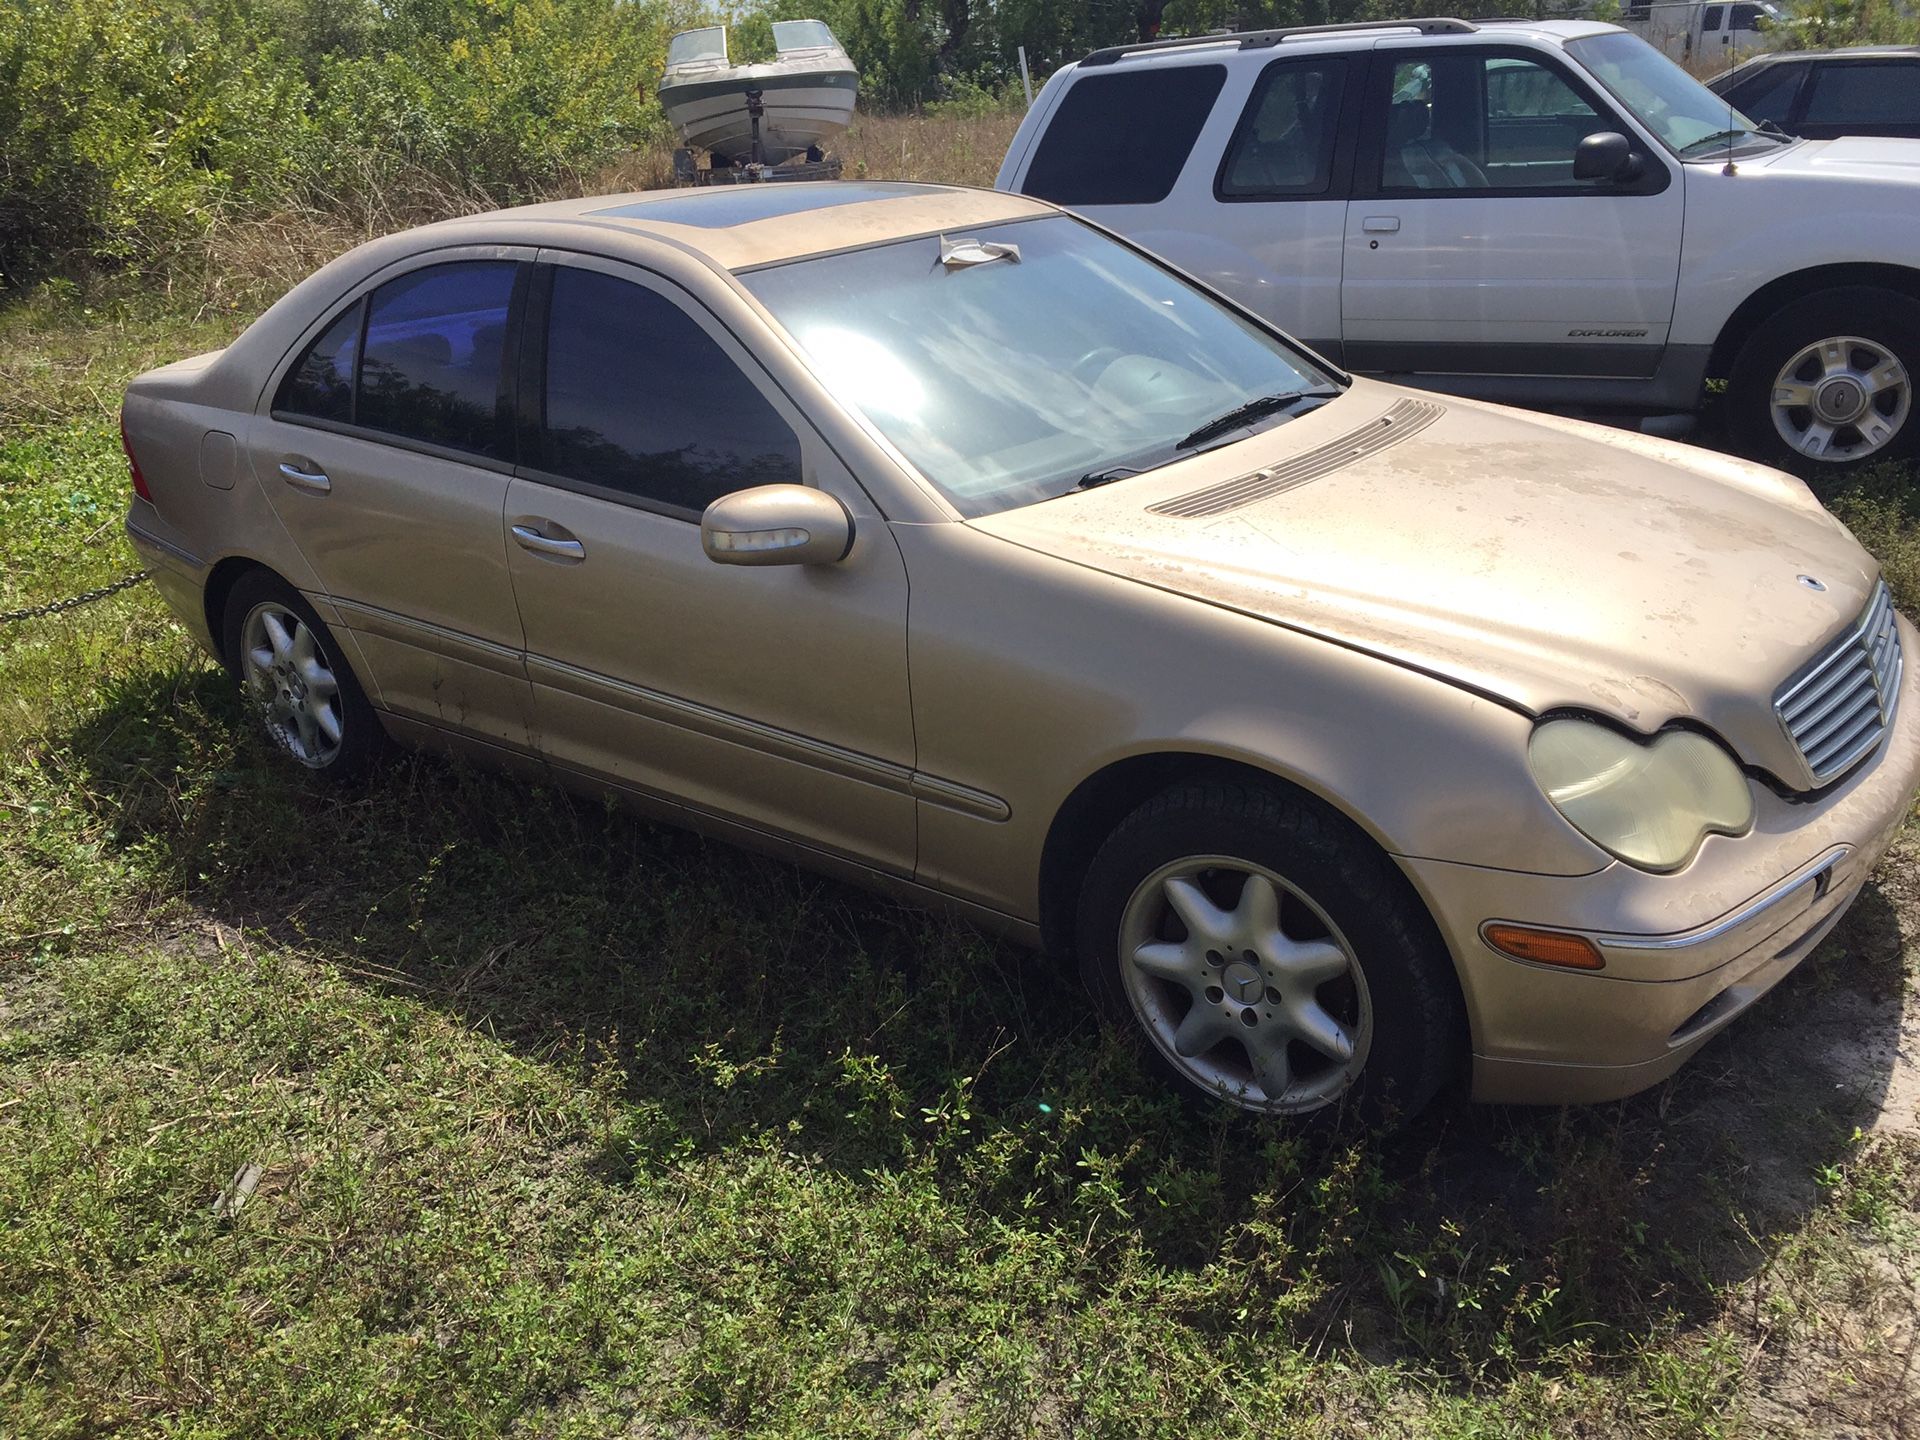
(1403, 419)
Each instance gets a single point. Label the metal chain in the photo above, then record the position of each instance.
(74, 602)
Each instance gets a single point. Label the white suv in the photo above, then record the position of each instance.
(1549, 213)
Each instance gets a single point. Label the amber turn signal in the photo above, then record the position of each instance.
(1544, 947)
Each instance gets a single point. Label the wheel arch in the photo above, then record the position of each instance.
(1103, 799)
(1753, 312)
(220, 581)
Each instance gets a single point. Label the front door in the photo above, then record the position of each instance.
(386, 452)
(774, 697)
(1470, 247)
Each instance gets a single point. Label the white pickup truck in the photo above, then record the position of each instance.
(1544, 212)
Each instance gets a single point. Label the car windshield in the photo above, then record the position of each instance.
(1034, 357)
(1686, 115)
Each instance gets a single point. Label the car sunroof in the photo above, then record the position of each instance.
(743, 204)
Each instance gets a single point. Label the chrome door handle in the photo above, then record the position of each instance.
(314, 480)
(532, 539)
(1381, 225)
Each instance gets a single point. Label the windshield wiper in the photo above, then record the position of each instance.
(1251, 410)
(1721, 138)
(1096, 478)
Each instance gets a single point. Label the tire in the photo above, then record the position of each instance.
(284, 659)
(1869, 371)
(1349, 943)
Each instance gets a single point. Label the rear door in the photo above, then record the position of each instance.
(386, 448)
(1470, 247)
(1233, 172)
(774, 697)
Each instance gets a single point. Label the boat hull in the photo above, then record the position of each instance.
(801, 110)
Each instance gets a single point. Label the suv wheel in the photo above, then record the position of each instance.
(293, 679)
(1270, 957)
(1829, 381)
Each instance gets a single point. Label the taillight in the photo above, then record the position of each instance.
(133, 465)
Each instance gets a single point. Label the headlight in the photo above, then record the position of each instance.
(1650, 802)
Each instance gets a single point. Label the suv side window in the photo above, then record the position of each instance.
(1123, 138)
(1284, 143)
(642, 402)
(1465, 121)
(1856, 92)
(431, 363)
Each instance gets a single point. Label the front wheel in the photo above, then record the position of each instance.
(1269, 956)
(1829, 380)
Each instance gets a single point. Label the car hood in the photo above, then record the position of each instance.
(1853, 157)
(1544, 562)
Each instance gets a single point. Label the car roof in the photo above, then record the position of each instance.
(748, 225)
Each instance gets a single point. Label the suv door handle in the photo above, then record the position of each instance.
(301, 474)
(532, 539)
(1381, 224)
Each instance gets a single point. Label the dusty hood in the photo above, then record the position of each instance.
(1546, 562)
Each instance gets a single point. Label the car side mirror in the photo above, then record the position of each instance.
(1607, 155)
(776, 525)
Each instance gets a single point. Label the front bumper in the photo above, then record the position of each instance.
(1685, 953)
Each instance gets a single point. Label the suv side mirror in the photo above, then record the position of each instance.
(776, 525)
(1606, 155)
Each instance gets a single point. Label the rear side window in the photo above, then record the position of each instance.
(1284, 145)
(1859, 93)
(321, 385)
(435, 341)
(642, 401)
(1122, 139)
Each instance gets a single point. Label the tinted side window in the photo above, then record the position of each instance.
(1710, 19)
(321, 385)
(1284, 145)
(435, 339)
(1123, 139)
(1769, 95)
(1864, 94)
(641, 400)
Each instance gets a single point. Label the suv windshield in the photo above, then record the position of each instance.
(1037, 356)
(1687, 116)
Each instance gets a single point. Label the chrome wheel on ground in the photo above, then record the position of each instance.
(1244, 985)
(1842, 398)
(290, 678)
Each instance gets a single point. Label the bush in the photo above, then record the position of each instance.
(132, 125)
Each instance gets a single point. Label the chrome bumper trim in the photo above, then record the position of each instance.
(1816, 875)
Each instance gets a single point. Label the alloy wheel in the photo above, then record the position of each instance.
(289, 677)
(1840, 399)
(1244, 985)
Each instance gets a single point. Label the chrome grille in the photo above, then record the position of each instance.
(1837, 710)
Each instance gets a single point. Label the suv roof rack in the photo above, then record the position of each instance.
(1264, 39)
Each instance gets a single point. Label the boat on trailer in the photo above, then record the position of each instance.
(772, 114)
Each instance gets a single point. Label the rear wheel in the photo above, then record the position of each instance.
(1828, 382)
(1269, 956)
(295, 682)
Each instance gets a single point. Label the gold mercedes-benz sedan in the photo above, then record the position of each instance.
(1348, 737)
